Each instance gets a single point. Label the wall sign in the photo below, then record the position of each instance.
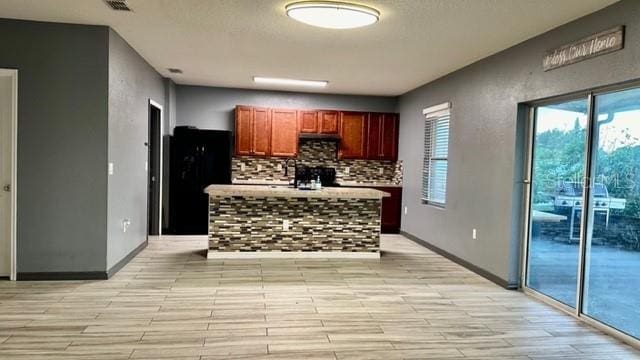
(595, 45)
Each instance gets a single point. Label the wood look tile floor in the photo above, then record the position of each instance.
(171, 303)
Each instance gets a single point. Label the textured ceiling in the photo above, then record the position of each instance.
(227, 42)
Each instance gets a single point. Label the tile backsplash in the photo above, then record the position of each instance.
(318, 153)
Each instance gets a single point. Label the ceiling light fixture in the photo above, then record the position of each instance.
(293, 82)
(332, 14)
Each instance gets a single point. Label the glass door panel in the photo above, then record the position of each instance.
(559, 143)
(612, 262)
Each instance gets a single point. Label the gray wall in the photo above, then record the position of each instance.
(62, 143)
(169, 105)
(132, 82)
(485, 171)
(212, 108)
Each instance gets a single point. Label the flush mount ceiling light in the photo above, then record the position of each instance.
(332, 14)
(294, 82)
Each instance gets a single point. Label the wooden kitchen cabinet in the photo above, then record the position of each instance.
(284, 133)
(253, 131)
(382, 137)
(244, 130)
(274, 132)
(390, 135)
(352, 126)
(391, 210)
(374, 136)
(308, 121)
(328, 122)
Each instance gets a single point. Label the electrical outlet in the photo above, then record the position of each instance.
(125, 225)
(279, 167)
(259, 167)
(346, 170)
(110, 168)
(381, 171)
(242, 167)
(474, 234)
(406, 209)
(285, 225)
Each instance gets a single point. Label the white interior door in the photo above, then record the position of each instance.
(6, 138)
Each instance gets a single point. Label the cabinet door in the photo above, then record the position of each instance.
(352, 133)
(374, 136)
(244, 130)
(391, 209)
(284, 133)
(389, 137)
(308, 121)
(261, 132)
(328, 122)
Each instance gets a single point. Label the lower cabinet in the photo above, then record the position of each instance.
(391, 210)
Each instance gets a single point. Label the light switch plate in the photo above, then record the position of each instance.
(406, 209)
(110, 168)
(285, 225)
(279, 167)
(474, 234)
(346, 170)
(242, 167)
(146, 166)
(259, 167)
(381, 171)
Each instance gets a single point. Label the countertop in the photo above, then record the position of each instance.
(342, 183)
(369, 184)
(282, 191)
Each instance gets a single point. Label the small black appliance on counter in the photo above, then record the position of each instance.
(305, 174)
(199, 158)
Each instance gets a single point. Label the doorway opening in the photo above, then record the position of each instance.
(8, 171)
(154, 161)
(582, 244)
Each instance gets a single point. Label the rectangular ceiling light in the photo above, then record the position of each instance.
(291, 82)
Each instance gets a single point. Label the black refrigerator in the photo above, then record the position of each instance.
(199, 158)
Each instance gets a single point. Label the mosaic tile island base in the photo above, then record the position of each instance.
(264, 222)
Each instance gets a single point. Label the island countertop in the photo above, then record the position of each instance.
(289, 192)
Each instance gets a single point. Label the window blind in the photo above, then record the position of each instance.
(436, 153)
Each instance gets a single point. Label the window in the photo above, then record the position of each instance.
(436, 153)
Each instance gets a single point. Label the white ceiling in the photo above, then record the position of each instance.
(227, 42)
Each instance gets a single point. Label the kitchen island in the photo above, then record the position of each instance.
(253, 221)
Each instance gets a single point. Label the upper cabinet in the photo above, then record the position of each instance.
(284, 133)
(253, 131)
(352, 128)
(382, 136)
(390, 134)
(244, 130)
(308, 121)
(318, 122)
(328, 122)
(274, 132)
(261, 132)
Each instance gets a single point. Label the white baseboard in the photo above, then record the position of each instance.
(291, 255)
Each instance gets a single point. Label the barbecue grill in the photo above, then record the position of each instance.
(568, 198)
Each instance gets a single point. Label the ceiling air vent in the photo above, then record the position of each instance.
(120, 5)
(175, 71)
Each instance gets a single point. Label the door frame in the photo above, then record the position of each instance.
(576, 312)
(13, 74)
(160, 149)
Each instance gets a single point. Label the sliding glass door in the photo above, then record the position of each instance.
(612, 266)
(559, 143)
(583, 243)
